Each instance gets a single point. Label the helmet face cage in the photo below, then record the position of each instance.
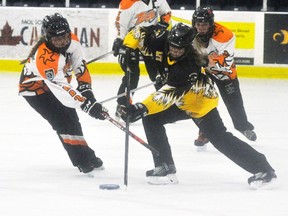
(203, 14)
(54, 25)
(181, 36)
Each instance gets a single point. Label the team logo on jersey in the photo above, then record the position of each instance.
(49, 74)
(145, 16)
(47, 56)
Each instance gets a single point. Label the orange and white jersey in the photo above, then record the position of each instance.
(221, 49)
(52, 71)
(136, 13)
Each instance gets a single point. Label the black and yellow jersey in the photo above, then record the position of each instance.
(196, 96)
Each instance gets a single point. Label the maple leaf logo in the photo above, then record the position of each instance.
(7, 38)
(47, 56)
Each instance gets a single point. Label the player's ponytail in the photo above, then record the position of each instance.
(34, 49)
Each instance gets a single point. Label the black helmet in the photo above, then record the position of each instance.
(204, 14)
(52, 26)
(181, 36)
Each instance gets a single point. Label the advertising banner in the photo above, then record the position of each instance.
(276, 39)
(20, 31)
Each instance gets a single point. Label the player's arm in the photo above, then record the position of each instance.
(224, 65)
(122, 24)
(165, 15)
(131, 42)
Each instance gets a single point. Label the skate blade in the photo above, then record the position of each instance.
(163, 180)
(94, 172)
(99, 168)
(201, 148)
(256, 185)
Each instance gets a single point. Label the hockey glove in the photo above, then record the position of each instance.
(127, 57)
(193, 77)
(160, 81)
(94, 109)
(135, 112)
(90, 105)
(116, 46)
(86, 91)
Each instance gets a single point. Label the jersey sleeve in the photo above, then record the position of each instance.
(134, 38)
(66, 94)
(123, 20)
(164, 11)
(224, 58)
(78, 63)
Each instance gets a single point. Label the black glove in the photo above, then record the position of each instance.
(94, 109)
(86, 90)
(127, 57)
(136, 112)
(90, 105)
(160, 81)
(193, 77)
(116, 46)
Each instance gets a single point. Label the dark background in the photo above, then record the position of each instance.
(276, 51)
(241, 5)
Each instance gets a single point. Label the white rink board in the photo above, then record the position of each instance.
(26, 22)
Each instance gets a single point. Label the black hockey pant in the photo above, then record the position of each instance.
(64, 120)
(232, 98)
(211, 124)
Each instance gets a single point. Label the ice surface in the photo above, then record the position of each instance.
(38, 179)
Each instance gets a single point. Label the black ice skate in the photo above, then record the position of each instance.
(94, 164)
(249, 134)
(163, 174)
(85, 168)
(262, 178)
(97, 163)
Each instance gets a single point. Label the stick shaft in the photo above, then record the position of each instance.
(124, 94)
(99, 57)
(127, 75)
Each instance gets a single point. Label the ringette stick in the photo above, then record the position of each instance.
(99, 57)
(127, 75)
(123, 94)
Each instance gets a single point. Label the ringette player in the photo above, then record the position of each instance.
(218, 42)
(138, 13)
(45, 85)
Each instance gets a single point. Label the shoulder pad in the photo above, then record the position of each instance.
(126, 4)
(222, 34)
